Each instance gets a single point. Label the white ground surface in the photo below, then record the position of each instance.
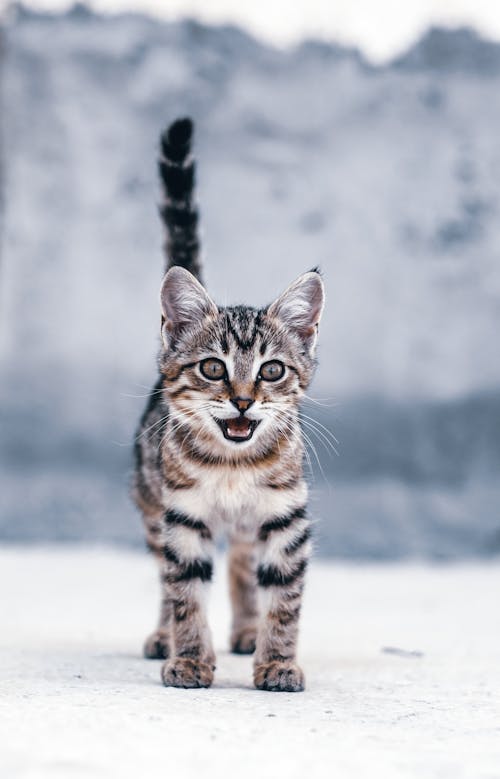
(77, 699)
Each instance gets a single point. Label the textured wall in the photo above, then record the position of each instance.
(388, 178)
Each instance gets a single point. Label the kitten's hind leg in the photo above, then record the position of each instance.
(243, 593)
(158, 645)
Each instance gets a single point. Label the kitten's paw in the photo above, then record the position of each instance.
(186, 672)
(156, 646)
(278, 676)
(243, 641)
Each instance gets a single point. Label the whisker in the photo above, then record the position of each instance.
(313, 448)
(320, 435)
(317, 422)
(155, 424)
(319, 402)
(289, 426)
(309, 442)
(327, 445)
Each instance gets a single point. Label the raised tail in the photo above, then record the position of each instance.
(178, 210)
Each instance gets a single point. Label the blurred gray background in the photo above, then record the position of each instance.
(387, 175)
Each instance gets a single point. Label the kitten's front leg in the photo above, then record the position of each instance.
(284, 548)
(187, 570)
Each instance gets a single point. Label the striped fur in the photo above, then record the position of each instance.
(220, 449)
(178, 211)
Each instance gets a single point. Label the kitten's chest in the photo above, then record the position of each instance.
(235, 500)
(231, 493)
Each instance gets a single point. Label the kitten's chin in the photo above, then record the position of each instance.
(238, 430)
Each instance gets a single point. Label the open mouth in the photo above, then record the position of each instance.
(238, 430)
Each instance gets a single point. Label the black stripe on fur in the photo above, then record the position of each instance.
(178, 181)
(194, 569)
(176, 518)
(298, 542)
(271, 576)
(177, 218)
(170, 555)
(280, 523)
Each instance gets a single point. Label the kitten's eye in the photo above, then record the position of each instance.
(213, 368)
(272, 370)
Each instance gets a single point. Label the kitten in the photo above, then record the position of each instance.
(220, 448)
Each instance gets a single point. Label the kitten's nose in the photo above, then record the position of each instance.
(242, 404)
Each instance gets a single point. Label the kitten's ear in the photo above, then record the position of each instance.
(300, 307)
(184, 302)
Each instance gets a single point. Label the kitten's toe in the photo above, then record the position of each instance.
(243, 641)
(186, 672)
(278, 676)
(156, 646)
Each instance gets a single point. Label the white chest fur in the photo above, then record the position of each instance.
(235, 500)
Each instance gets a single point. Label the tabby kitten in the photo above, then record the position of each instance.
(219, 447)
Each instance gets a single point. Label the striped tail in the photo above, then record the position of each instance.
(178, 210)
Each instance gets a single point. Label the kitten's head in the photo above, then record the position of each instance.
(234, 376)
